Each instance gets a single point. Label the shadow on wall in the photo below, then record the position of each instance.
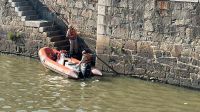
(84, 46)
(49, 13)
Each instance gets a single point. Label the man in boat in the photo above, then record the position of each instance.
(72, 35)
(85, 64)
(62, 57)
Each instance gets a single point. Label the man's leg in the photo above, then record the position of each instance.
(71, 46)
(83, 70)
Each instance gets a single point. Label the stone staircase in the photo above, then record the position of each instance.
(55, 37)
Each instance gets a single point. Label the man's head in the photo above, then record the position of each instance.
(83, 52)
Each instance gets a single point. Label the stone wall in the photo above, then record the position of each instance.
(82, 14)
(150, 39)
(29, 39)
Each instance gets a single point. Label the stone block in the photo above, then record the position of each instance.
(184, 73)
(157, 74)
(101, 60)
(102, 44)
(117, 43)
(183, 65)
(101, 10)
(131, 45)
(144, 49)
(101, 19)
(189, 32)
(166, 47)
(186, 52)
(186, 82)
(195, 84)
(105, 2)
(166, 54)
(170, 75)
(167, 60)
(193, 69)
(163, 5)
(114, 59)
(101, 29)
(148, 26)
(179, 22)
(139, 71)
(115, 21)
(177, 5)
(193, 76)
(129, 52)
(119, 68)
(184, 59)
(87, 13)
(75, 12)
(79, 4)
(197, 49)
(158, 53)
(128, 69)
(176, 51)
(138, 60)
(195, 62)
(173, 81)
(161, 67)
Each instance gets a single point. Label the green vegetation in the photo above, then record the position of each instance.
(13, 36)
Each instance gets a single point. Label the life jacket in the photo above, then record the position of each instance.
(58, 56)
(72, 34)
(88, 58)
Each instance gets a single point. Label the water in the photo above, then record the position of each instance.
(25, 86)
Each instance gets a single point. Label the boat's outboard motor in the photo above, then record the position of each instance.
(87, 73)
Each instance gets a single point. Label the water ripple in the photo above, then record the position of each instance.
(26, 86)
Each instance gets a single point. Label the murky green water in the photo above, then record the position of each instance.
(26, 87)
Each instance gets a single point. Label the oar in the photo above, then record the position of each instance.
(107, 65)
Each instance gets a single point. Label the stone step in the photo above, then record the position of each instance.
(26, 13)
(48, 28)
(52, 33)
(37, 23)
(29, 17)
(23, 8)
(56, 38)
(18, 4)
(16, 0)
(60, 43)
(46, 23)
(65, 47)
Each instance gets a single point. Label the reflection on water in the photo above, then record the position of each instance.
(25, 86)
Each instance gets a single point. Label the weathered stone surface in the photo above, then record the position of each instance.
(148, 26)
(144, 49)
(166, 54)
(131, 45)
(184, 73)
(158, 54)
(185, 82)
(139, 71)
(174, 81)
(184, 59)
(176, 51)
(167, 60)
(126, 34)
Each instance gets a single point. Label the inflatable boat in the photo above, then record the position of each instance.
(68, 69)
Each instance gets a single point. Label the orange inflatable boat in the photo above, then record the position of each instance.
(67, 69)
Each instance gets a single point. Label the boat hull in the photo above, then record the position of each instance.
(45, 55)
